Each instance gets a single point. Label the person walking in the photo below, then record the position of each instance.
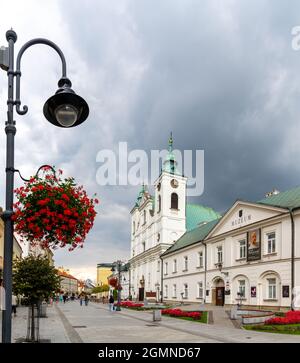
(86, 300)
(80, 299)
(14, 305)
(111, 303)
(65, 298)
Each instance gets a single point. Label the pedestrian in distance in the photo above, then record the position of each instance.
(64, 298)
(14, 305)
(86, 300)
(111, 303)
(81, 299)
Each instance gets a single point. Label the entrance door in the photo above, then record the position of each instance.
(220, 296)
(141, 294)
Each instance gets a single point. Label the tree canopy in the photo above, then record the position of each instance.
(99, 289)
(35, 278)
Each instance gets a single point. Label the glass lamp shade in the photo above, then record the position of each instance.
(66, 109)
(66, 115)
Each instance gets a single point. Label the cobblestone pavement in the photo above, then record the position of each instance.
(73, 323)
(51, 327)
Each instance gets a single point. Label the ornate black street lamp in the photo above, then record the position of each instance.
(118, 265)
(64, 109)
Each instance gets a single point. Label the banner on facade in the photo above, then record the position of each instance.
(253, 291)
(254, 245)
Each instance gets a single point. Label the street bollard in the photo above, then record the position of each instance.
(156, 315)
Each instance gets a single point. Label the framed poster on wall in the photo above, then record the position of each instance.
(253, 291)
(285, 291)
(254, 245)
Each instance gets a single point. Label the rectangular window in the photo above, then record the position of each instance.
(271, 242)
(242, 288)
(200, 259)
(220, 254)
(242, 248)
(174, 291)
(185, 263)
(166, 291)
(175, 266)
(200, 290)
(185, 291)
(271, 288)
(166, 268)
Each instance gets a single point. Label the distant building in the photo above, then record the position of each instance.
(37, 250)
(103, 271)
(69, 284)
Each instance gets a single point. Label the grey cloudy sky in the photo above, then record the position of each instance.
(222, 75)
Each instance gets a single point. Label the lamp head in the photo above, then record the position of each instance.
(66, 108)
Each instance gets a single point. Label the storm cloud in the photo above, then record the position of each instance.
(222, 75)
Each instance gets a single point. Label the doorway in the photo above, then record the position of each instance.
(219, 292)
(141, 294)
(220, 296)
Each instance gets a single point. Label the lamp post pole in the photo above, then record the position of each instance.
(10, 130)
(119, 285)
(64, 109)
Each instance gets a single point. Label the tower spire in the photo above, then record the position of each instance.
(171, 142)
(170, 164)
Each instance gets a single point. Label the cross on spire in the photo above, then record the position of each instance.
(171, 142)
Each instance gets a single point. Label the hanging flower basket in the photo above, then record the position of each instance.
(113, 281)
(53, 212)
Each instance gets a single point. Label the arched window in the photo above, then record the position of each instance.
(159, 204)
(174, 201)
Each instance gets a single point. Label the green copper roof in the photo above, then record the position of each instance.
(288, 199)
(196, 214)
(190, 237)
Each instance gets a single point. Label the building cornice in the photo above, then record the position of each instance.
(156, 250)
(226, 269)
(232, 233)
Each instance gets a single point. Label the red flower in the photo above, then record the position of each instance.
(53, 212)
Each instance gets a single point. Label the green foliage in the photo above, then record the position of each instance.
(35, 278)
(98, 289)
(115, 294)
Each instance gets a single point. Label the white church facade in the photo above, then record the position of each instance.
(157, 221)
(183, 252)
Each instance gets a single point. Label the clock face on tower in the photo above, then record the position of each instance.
(174, 183)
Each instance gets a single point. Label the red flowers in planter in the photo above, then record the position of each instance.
(179, 313)
(53, 212)
(291, 317)
(130, 304)
(113, 281)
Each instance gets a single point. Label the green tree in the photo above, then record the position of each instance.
(36, 280)
(99, 289)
